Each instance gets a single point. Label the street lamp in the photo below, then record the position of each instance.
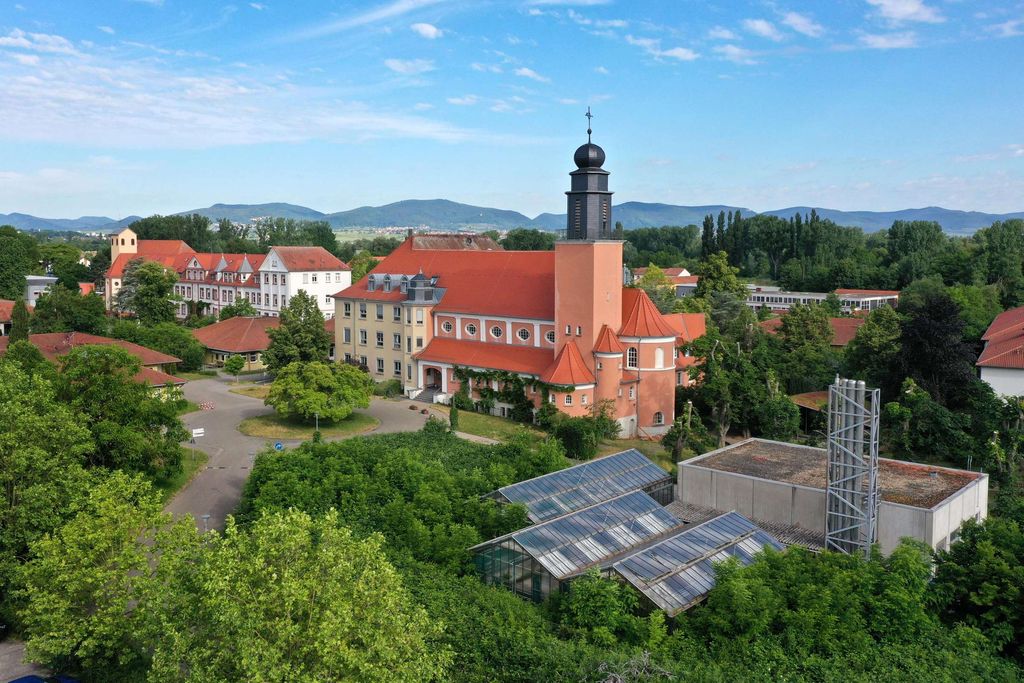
(206, 523)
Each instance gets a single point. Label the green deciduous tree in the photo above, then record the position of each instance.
(528, 239)
(716, 275)
(19, 321)
(19, 255)
(147, 292)
(361, 264)
(63, 309)
(320, 605)
(300, 337)
(241, 308)
(872, 354)
(330, 390)
(170, 338)
(234, 365)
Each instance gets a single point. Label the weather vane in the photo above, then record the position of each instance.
(589, 117)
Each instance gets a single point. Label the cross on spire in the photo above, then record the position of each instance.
(589, 117)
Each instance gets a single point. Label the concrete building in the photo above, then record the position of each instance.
(433, 311)
(210, 281)
(781, 487)
(37, 285)
(1001, 363)
(850, 300)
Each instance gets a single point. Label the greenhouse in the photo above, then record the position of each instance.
(577, 487)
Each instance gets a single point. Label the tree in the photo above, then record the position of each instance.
(932, 348)
(28, 359)
(42, 451)
(528, 239)
(62, 259)
(361, 264)
(19, 321)
(19, 255)
(600, 609)
(578, 436)
(86, 584)
(133, 428)
(658, 287)
(979, 305)
(62, 309)
(805, 325)
(147, 292)
(234, 365)
(330, 390)
(777, 416)
(453, 418)
(872, 354)
(687, 435)
(716, 275)
(300, 336)
(241, 308)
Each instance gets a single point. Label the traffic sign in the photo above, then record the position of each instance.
(196, 433)
(278, 446)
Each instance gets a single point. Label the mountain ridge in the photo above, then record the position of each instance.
(444, 214)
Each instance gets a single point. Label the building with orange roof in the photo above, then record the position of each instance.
(208, 282)
(446, 317)
(1001, 363)
(843, 329)
(157, 367)
(244, 336)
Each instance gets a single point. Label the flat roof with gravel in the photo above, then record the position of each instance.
(907, 483)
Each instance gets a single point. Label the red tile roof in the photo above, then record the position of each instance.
(169, 253)
(53, 345)
(86, 288)
(237, 335)
(843, 329)
(812, 400)
(6, 310)
(1004, 341)
(867, 292)
(688, 326)
(568, 368)
(308, 258)
(640, 317)
(1007, 322)
(607, 342)
(524, 359)
(518, 284)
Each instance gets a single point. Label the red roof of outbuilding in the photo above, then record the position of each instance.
(843, 329)
(640, 317)
(6, 310)
(607, 342)
(308, 258)
(524, 359)
(568, 368)
(1004, 341)
(237, 335)
(688, 326)
(519, 284)
(1007, 322)
(86, 288)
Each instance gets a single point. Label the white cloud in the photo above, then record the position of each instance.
(763, 28)
(409, 67)
(258, 6)
(907, 10)
(567, 100)
(490, 68)
(803, 24)
(422, 106)
(428, 31)
(25, 60)
(464, 101)
(601, 70)
(653, 48)
(577, 3)
(734, 53)
(37, 42)
(889, 41)
(155, 3)
(599, 23)
(1016, 150)
(1008, 29)
(384, 12)
(106, 29)
(722, 33)
(532, 75)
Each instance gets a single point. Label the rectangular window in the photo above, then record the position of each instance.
(362, 337)
(362, 361)
(408, 344)
(419, 342)
(327, 298)
(362, 311)
(346, 335)
(408, 315)
(583, 399)
(314, 278)
(380, 311)
(380, 365)
(266, 299)
(275, 301)
(396, 313)
(408, 372)
(284, 301)
(419, 316)
(568, 399)
(282, 278)
(380, 340)
(396, 341)
(568, 329)
(305, 278)
(266, 278)
(347, 307)
(398, 368)
(579, 331)
(253, 357)
(275, 278)
(632, 392)
(348, 357)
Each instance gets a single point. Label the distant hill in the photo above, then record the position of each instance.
(442, 214)
(436, 213)
(243, 213)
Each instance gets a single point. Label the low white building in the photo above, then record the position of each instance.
(1001, 363)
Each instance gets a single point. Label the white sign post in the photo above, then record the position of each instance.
(196, 433)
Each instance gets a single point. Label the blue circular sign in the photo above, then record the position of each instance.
(278, 446)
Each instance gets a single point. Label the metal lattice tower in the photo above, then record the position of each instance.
(851, 494)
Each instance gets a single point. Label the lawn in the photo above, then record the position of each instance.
(187, 407)
(190, 464)
(652, 449)
(489, 426)
(274, 426)
(259, 391)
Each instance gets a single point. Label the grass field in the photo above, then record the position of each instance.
(345, 235)
(189, 467)
(259, 391)
(275, 427)
(187, 407)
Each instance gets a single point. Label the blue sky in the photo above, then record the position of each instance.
(116, 107)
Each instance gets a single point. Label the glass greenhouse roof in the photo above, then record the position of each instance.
(557, 493)
(679, 571)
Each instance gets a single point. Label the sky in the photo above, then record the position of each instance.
(120, 107)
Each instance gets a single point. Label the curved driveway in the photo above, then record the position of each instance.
(216, 489)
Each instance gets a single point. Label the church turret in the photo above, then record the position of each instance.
(588, 201)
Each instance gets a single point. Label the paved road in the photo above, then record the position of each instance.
(216, 490)
(11, 665)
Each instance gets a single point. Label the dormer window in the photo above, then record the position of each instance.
(371, 284)
(404, 284)
(387, 283)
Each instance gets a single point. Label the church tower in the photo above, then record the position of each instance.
(588, 263)
(588, 201)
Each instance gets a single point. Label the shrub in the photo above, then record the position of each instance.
(462, 401)
(548, 416)
(453, 418)
(388, 388)
(579, 437)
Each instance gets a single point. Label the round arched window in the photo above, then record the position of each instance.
(446, 326)
(496, 332)
(471, 330)
(550, 336)
(523, 334)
